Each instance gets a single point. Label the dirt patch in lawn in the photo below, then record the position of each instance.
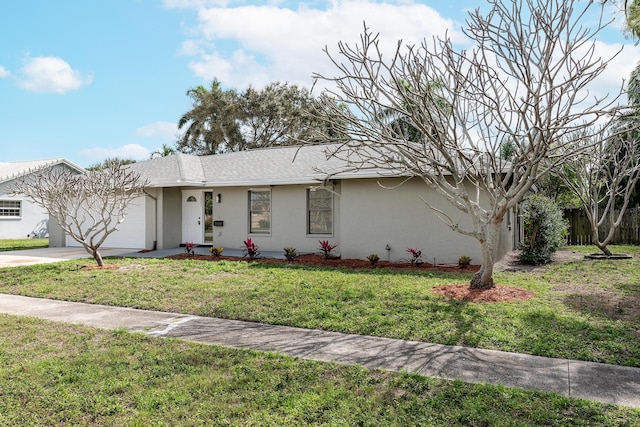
(511, 261)
(103, 267)
(497, 294)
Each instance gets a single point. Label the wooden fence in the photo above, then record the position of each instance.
(628, 233)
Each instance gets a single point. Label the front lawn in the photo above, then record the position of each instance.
(585, 310)
(62, 374)
(20, 244)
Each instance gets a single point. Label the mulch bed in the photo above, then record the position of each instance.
(316, 260)
(496, 294)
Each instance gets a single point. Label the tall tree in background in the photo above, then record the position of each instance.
(275, 115)
(109, 162)
(165, 151)
(631, 10)
(212, 124)
(523, 82)
(221, 121)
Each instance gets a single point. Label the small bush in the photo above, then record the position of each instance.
(290, 253)
(189, 248)
(373, 259)
(464, 261)
(326, 248)
(216, 252)
(545, 230)
(250, 249)
(416, 256)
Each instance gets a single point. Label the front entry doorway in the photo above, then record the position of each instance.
(197, 216)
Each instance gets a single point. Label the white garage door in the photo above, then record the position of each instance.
(130, 233)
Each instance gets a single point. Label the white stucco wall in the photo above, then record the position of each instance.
(34, 219)
(373, 217)
(367, 217)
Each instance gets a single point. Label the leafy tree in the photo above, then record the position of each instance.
(276, 115)
(108, 162)
(513, 85)
(220, 121)
(88, 207)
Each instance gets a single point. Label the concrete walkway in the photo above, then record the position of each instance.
(593, 381)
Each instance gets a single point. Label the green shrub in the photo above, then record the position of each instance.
(290, 253)
(373, 259)
(545, 230)
(464, 261)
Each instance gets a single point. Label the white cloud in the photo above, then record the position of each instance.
(272, 43)
(49, 74)
(244, 45)
(4, 73)
(618, 69)
(129, 151)
(165, 130)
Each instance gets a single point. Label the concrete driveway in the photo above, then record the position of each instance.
(48, 255)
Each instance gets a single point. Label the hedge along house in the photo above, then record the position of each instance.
(290, 197)
(20, 218)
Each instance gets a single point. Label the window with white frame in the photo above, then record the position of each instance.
(260, 211)
(10, 208)
(319, 211)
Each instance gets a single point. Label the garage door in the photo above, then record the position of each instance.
(130, 233)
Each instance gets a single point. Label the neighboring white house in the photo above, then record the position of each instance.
(283, 197)
(20, 218)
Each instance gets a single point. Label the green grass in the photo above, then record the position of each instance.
(20, 244)
(584, 310)
(61, 374)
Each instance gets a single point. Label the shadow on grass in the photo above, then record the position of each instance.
(606, 305)
(550, 334)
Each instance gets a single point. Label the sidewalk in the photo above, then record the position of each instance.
(593, 381)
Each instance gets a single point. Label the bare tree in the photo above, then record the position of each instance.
(523, 83)
(604, 178)
(88, 207)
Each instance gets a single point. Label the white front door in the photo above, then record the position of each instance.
(192, 221)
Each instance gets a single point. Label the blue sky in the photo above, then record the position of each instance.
(86, 80)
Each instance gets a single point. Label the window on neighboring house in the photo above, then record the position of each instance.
(259, 211)
(319, 211)
(10, 208)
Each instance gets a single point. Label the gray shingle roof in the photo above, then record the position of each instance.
(12, 170)
(268, 166)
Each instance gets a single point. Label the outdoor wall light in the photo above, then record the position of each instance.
(218, 198)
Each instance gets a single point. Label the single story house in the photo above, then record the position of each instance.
(20, 218)
(290, 197)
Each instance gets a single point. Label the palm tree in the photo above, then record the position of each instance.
(212, 124)
(163, 152)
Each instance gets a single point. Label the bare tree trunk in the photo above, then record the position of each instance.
(603, 247)
(98, 258)
(483, 279)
